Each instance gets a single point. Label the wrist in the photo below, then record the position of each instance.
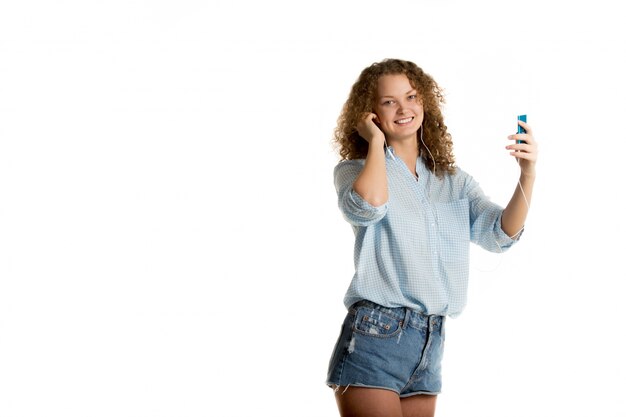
(528, 174)
(377, 141)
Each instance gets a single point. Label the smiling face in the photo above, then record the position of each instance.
(398, 108)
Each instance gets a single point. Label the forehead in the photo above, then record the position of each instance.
(393, 85)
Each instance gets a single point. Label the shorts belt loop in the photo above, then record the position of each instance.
(407, 317)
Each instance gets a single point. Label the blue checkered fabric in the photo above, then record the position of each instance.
(413, 251)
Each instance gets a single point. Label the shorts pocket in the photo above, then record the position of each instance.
(372, 322)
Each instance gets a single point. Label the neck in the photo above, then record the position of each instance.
(407, 150)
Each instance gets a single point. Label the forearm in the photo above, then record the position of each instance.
(514, 215)
(371, 184)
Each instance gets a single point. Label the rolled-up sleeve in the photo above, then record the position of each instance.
(355, 209)
(486, 220)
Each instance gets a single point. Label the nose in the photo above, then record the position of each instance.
(401, 107)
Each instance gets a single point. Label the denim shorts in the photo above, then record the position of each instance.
(397, 349)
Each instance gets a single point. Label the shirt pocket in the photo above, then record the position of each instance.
(453, 220)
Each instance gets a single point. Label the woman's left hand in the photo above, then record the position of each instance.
(526, 152)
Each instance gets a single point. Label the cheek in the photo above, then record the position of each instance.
(419, 109)
(386, 122)
(385, 116)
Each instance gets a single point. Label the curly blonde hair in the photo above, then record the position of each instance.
(362, 98)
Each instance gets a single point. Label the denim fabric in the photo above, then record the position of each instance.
(398, 349)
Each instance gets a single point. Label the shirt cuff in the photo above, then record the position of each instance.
(365, 213)
(503, 240)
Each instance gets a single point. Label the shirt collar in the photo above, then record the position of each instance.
(420, 166)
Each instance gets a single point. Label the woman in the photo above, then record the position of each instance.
(413, 213)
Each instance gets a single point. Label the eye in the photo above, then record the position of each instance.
(388, 102)
(412, 97)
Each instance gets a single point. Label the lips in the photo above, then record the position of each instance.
(404, 121)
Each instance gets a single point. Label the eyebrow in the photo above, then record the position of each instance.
(410, 91)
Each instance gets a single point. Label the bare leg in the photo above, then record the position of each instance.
(367, 402)
(419, 406)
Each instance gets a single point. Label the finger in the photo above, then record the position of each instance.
(521, 147)
(368, 116)
(523, 137)
(524, 155)
(525, 126)
(531, 156)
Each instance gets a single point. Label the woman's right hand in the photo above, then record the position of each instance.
(368, 130)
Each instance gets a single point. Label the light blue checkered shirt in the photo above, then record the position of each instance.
(413, 251)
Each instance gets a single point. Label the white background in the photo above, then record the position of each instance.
(170, 243)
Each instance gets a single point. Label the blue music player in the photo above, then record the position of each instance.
(520, 129)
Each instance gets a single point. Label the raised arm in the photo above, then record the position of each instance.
(371, 184)
(514, 215)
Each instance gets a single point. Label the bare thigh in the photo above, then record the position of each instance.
(368, 402)
(419, 406)
(372, 402)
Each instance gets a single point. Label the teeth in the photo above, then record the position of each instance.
(403, 121)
